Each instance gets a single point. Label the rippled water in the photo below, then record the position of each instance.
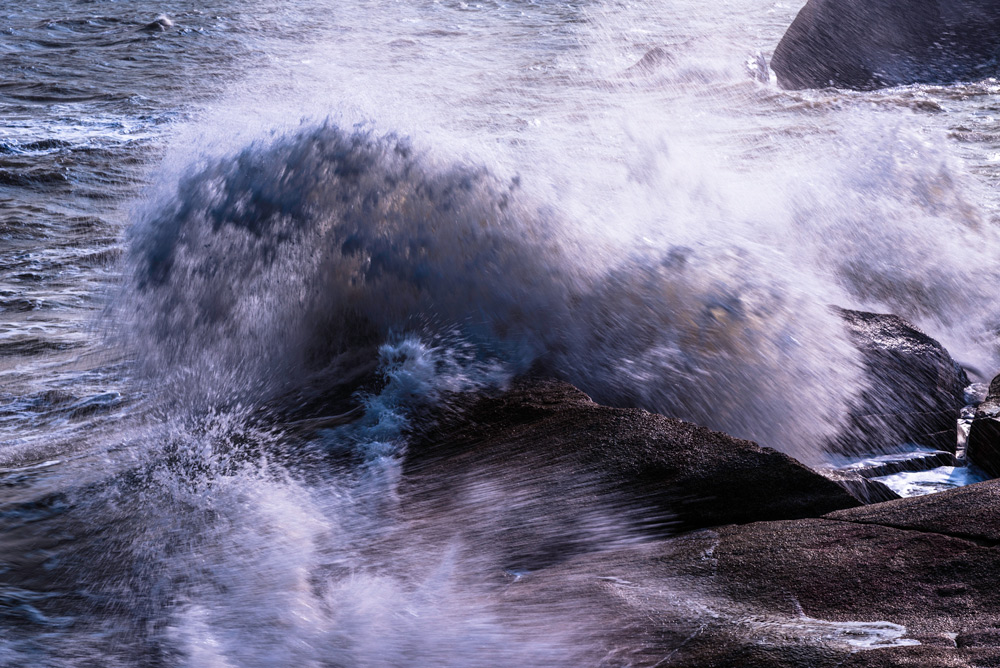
(214, 232)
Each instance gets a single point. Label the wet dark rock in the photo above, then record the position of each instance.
(544, 449)
(933, 584)
(924, 462)
(913, 391)
(867, 44)
(979, 638)
(161, 23)
(971, 513)
(861, 488)
(983, 445)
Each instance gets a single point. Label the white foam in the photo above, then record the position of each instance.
(855, 635)
(918, 483)
(33, 467)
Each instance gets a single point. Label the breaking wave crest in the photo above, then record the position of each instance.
(272, 276)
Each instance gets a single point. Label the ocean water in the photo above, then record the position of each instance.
(216, 231)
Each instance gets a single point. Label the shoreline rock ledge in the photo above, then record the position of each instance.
(868, 44)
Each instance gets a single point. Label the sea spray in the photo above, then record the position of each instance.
(279, 270)
(227, 544)
(894, 223)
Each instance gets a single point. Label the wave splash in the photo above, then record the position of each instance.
(274, 275)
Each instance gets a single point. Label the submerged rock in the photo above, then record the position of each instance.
(866, 44)
(161, 23)
(983, 445)
(906, 462)
(913, 388)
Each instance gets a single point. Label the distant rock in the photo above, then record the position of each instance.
(867, 44)
(161, 23)
(653, 59)
(913, 388)
(544, 449)
(983, 445)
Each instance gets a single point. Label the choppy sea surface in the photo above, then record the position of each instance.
(213, 227)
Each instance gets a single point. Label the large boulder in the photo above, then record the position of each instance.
(983, 446)
(552, 472)
(866, 44)
(913, 390)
